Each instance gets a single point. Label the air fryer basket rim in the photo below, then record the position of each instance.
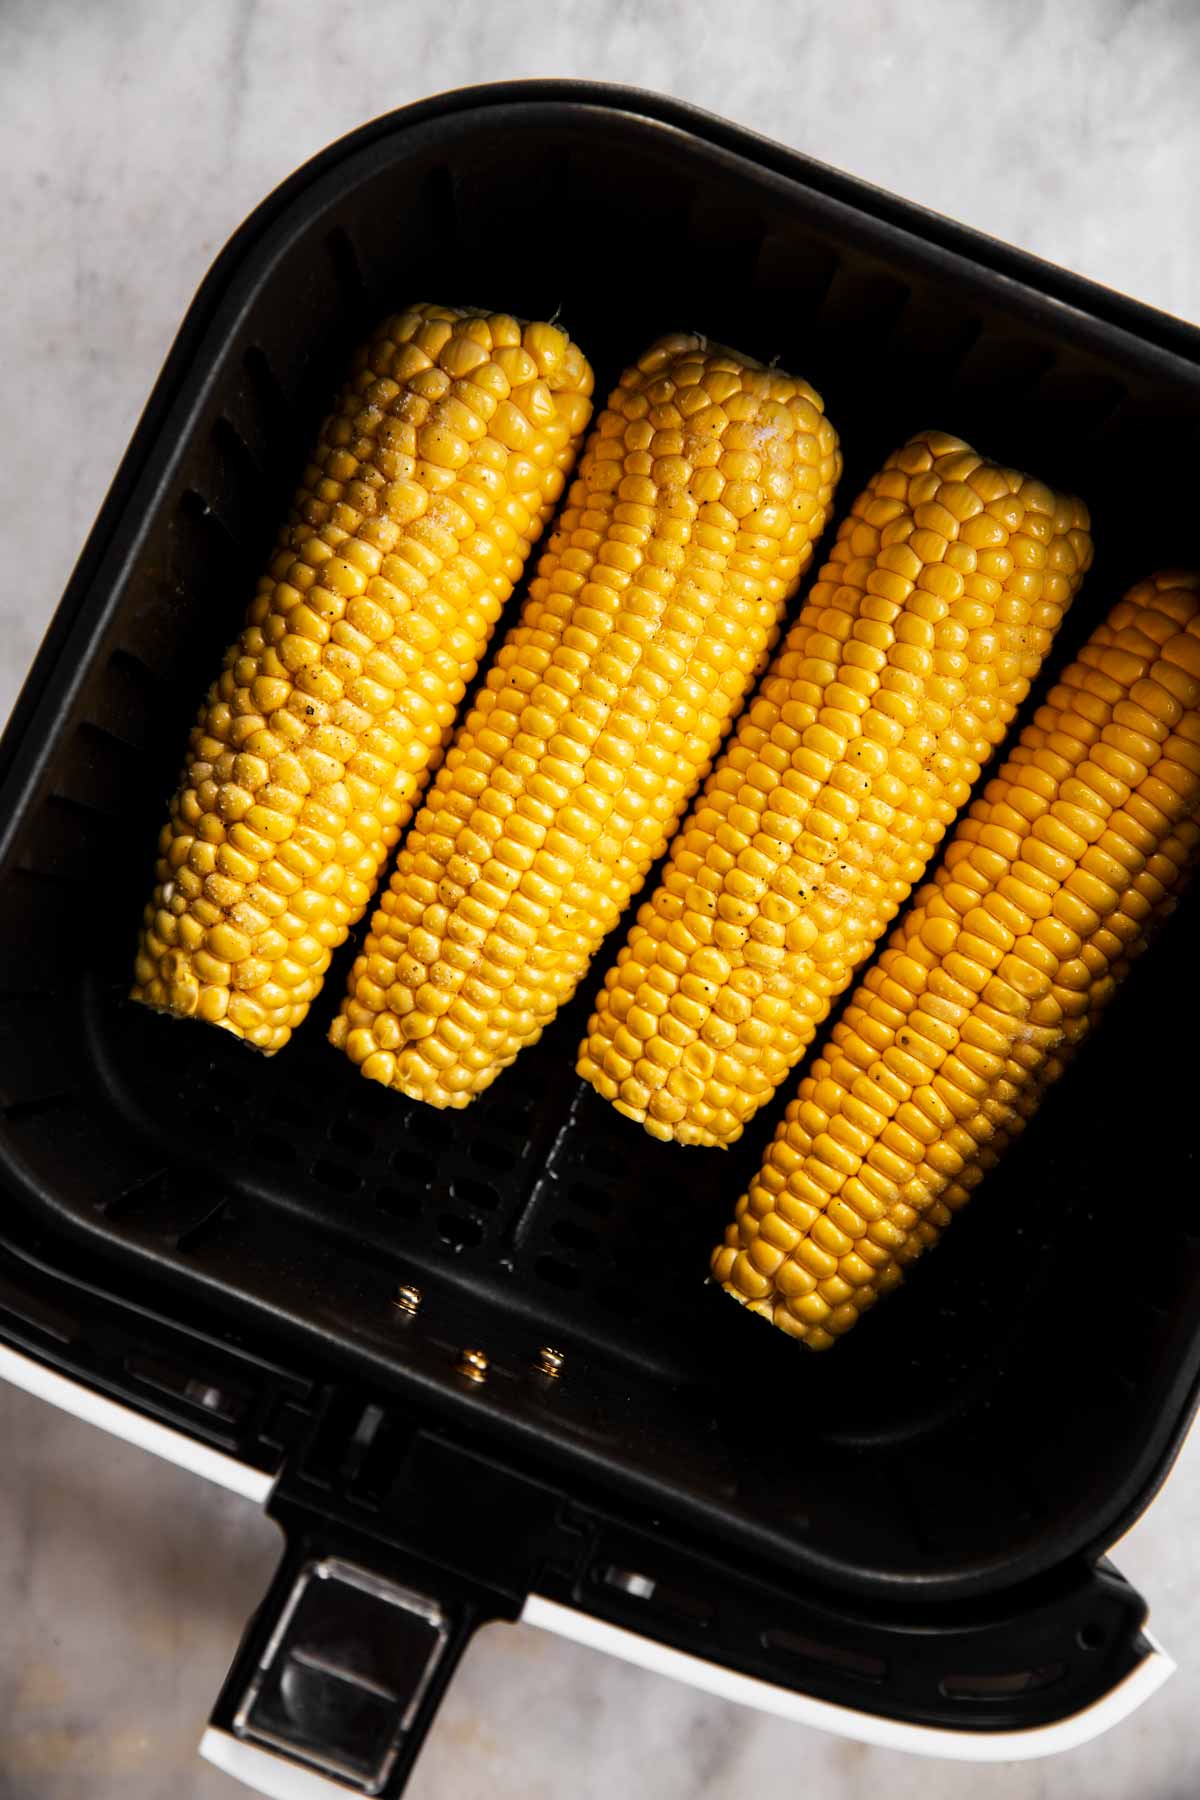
(1147, 324)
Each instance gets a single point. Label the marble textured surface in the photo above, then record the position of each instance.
(134, 136)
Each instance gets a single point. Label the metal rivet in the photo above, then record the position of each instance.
(550, 1361)
(407, 1299)
(473, 1364)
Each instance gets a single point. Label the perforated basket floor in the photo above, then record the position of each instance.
(1017, 1401)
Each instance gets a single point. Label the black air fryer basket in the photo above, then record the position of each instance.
(901, 1540)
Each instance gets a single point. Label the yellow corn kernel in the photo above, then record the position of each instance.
(1027, 1042)
(311, 749)
(700, 496)
(858, 749)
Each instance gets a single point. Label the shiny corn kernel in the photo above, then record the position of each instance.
(1011, 1044)
(886, 630)
(312, 748)
(658, 598)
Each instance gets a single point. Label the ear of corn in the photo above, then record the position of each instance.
(976, 1146)
(915, 647)
(431, 481)
(998, 971)
(700, 496)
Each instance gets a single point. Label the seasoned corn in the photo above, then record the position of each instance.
(701, 493)
(994, 976)
(916, 645)
(431, 481)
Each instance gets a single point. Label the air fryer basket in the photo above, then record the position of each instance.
(998, 1422)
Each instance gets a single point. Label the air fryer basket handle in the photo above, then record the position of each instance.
(342, 1668)
(359, 1620)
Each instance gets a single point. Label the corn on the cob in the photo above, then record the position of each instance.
(990, 982)
(701, 493)
(437, 472)
(1144, 906)
(909, 658)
